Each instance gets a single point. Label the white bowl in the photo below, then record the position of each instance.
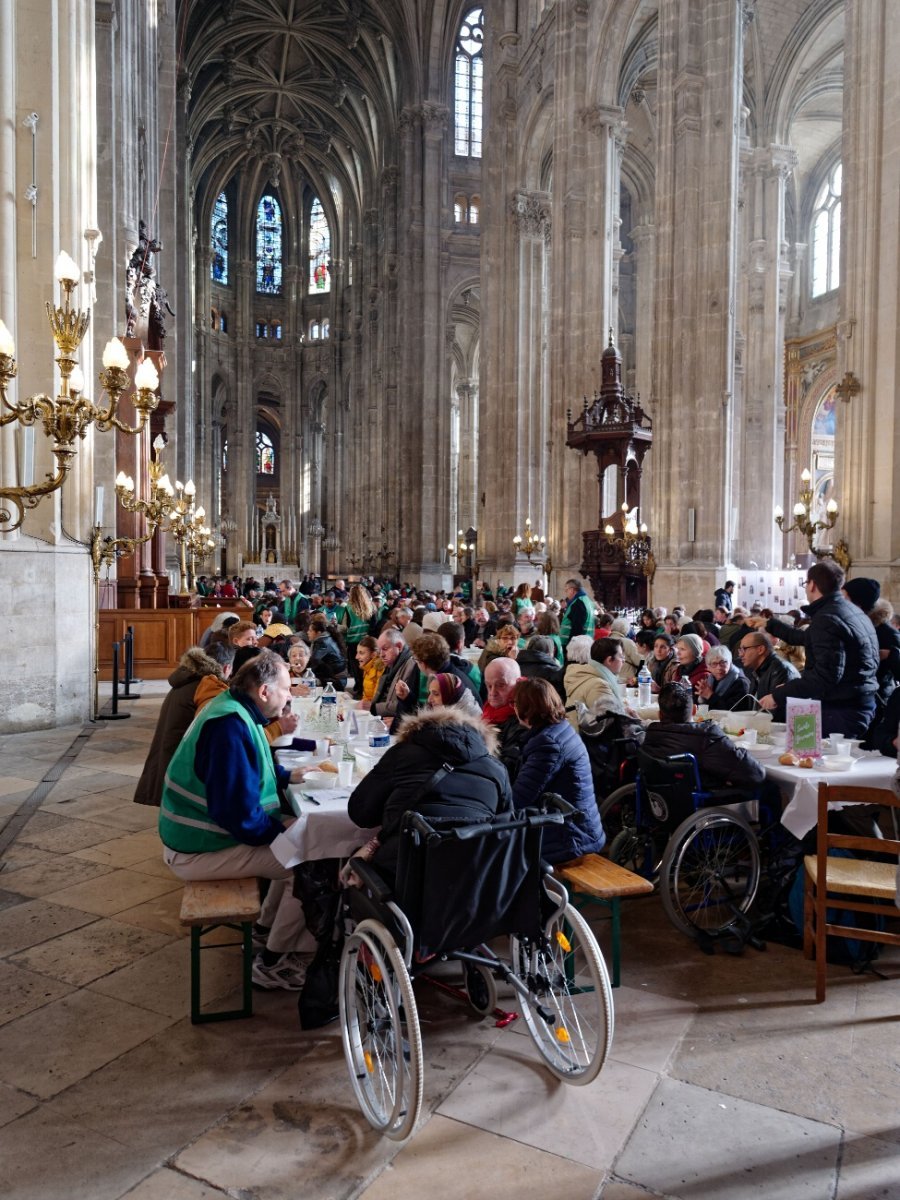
(323, 780)
(838, 762)
(759, 749)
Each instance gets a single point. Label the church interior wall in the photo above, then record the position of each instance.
(648, 169)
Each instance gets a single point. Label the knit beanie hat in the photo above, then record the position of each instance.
(863, 592)
(693, 640)
(450, 687)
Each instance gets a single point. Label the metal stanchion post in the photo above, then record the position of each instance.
(115, 715)
(129, 661)
(130, 677)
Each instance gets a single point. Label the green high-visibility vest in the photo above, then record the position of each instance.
(184, 821)
(565, 628)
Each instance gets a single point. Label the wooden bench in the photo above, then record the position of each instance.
(592, 879)
(209, 904)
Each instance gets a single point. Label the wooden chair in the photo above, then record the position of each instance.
(857, 884)
(595, 880)
(209, 904)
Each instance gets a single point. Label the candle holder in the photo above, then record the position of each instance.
(69, 416)
(633, 544)
(810, 529)
(531, 544)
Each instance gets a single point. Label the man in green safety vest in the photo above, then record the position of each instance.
(578, 617)
(220, 809)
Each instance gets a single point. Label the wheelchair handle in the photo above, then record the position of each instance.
(372, 880)
(553, 800)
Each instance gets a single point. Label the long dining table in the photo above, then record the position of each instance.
(800, 785)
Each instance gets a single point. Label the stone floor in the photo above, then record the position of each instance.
(725, 1081)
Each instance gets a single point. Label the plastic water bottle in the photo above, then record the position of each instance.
(645, 691)
(328, 708)
(309, 678)
(379, 737)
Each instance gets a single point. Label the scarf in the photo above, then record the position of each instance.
(497, 716)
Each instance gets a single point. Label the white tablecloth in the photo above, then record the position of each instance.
(322, 830)
(800, 786)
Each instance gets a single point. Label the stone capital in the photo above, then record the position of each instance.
(603, 119)
(531, 213)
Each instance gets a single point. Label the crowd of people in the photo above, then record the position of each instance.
(498, 690)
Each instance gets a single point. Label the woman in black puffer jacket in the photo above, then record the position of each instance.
(478, 785)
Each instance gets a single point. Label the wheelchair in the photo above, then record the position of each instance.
(699, 844)
(460, 885)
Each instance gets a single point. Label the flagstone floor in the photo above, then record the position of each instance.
(726, 1081)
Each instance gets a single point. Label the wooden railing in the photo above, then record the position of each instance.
(161, 635)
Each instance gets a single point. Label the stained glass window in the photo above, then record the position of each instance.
(268, 246)
(265, 454)
(219, 237)
(468, 84)
(826, 235)
(225, 455)
(319, 249)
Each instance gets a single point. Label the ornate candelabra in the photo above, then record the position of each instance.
(531, 544)
(162, 494)
(71, 413)
(804, 524)
(633, 544)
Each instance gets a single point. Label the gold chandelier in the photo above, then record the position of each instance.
(71, 413)
(530, 544)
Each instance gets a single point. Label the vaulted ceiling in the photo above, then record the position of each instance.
(281, 82)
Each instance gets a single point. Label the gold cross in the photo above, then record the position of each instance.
(848, 387)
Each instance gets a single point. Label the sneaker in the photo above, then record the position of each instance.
(288, 973)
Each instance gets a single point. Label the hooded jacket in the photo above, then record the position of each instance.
(478, 785)
(177, 712)
(535, 664)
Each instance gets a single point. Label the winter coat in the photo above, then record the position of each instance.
(177, 712)
(729, 690)
(584, 686)
(327, 662)
(554, 759)
(720, 761)
(696, 673)
(773, 672)
(534, 664)
(478, 786)
(841, 653)
(387, 703)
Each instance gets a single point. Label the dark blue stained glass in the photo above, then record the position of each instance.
(268, 246)
(219, 238)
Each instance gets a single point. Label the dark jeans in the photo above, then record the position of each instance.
(851, 721)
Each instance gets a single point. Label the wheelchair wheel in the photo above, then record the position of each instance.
(710, 871)
(569, 1008)
(380, 1030)
(481, 988)
(617, 811)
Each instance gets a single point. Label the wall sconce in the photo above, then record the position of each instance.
(71, 413)
(810, 529)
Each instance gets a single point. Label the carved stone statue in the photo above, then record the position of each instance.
(156, 322)
(140, 281)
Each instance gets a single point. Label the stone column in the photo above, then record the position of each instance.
(760, 427)
(867, 488)
(699, 92)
